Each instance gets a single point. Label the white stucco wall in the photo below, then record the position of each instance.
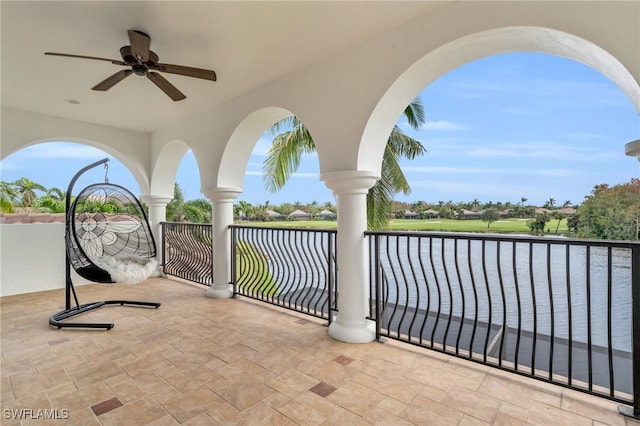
(33, 258)
(22, 128)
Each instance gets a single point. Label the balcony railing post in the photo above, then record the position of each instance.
(634, 411)
(376, 282)
(234, 259)
(331, 287)
(163, 249)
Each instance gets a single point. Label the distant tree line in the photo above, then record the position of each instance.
(609, 212)
(28, 196)
(460, 210)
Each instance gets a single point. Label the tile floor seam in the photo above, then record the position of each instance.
(164, 408)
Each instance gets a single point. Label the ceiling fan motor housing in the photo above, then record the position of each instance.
(128, 58)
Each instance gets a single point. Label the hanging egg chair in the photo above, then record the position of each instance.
(108, 240)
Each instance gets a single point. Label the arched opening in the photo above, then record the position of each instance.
(476, 46)
(521, 125)
(302, 197)
(52, 164)
(176, 177)
(258, 202)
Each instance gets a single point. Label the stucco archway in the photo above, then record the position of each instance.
(136, 171)
(165, 168)
(228, 184)
(475, 46)
(240, 145)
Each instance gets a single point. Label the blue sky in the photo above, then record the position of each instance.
(498, 129)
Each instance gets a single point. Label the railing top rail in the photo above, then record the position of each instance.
(508, 237)
(185, 223)
(281, 228)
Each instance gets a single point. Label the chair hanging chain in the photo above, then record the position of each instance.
(106, 172)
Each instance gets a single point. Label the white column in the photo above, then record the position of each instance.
(350, 189)
(157, 214)
(222, 200)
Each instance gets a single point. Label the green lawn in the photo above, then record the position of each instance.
(254, 275)
(506, 226)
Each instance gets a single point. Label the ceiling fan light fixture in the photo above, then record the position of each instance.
(139, 69)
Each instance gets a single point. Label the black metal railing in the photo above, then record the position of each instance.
(187, 251)
(291, 268)
(561, 310)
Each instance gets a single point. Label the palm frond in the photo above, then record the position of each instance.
(379, 200)
(284, 125)
(392, 174)
(6, 205)
(414, 112)
(284, 156)
(405, 146)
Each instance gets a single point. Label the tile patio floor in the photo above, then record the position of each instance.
(199, 361)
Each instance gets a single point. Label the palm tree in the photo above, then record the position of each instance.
(26, 189)
(288, 147)
(558, 216)
(8, 197)
(56, 193)
(245, 208)
(175, 207)
(549, 203)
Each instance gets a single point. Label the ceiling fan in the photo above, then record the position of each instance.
(144, 62)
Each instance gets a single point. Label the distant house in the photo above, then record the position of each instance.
(567, 211)
(326, 214)
(470, 214)
(541, 210)
(299, 215)
(430, 214)
(273, 215)
(408, 214)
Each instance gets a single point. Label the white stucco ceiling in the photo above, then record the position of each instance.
(247, 43)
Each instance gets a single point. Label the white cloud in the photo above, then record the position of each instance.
(543, 150)
(443, 125)
(301, 175)
(549, 172)
(59, 150)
